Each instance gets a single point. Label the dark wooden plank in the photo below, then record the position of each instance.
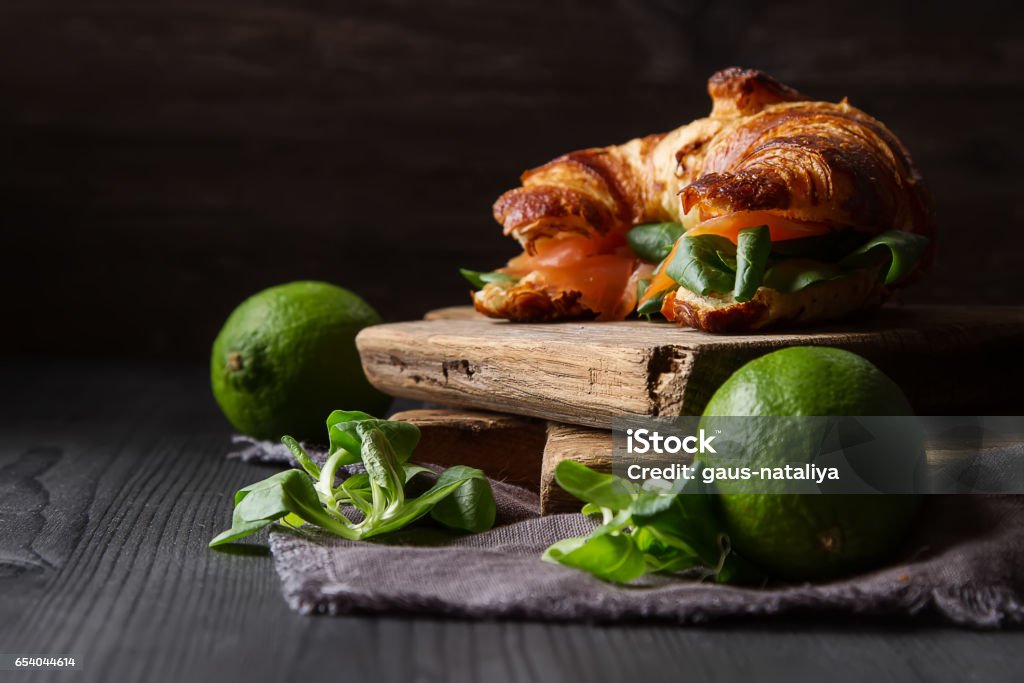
(113, 481)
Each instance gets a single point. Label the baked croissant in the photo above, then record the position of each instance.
(812, 172)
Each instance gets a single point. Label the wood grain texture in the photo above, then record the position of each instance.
(174, 156)
(590, 447)
(505, 447)
(112, 480)
(587, 373)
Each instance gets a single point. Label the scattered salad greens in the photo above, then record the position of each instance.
(646, 530)
(710, 263)
(460, 498)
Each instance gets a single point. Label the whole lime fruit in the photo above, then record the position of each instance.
(811, 536)
(286, 357)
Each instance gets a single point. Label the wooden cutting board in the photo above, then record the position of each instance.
(949, 360)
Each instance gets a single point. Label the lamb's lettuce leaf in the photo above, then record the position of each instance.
(653, 241)
(829, 247)
(792, 275)
(709, 263)
(753, 247)
(642, 531)
(460, 498)
(479, 278)
(902, 249)
(344, 431)
(704, 264)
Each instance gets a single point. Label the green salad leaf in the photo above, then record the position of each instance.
(653, 241)
(829, 247)
(312, 469)
(645, 308)
(645, 531)
(480, 278)
(471, 507)
(343, 430)
(603, 490)
(792, 275)
(612, 557)
(460, 498)
(753, 245)
(896, 252)
(703, 264)
(710, 263)
(286, 493)
(902, 249)
(652, 305)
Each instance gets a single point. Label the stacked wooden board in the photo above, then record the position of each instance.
(577, 376)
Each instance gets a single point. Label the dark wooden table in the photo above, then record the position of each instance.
(112, 480)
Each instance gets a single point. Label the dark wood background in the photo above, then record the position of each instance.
(161, 160)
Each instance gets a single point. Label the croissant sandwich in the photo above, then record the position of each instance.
(773, 210)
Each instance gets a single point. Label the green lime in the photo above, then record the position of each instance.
(815, 535)
(286, 357)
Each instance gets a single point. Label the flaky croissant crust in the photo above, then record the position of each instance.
(764, 147)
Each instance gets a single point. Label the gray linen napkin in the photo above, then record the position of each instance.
(963, 565)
